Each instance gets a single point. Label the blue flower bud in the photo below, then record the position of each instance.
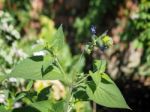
(103, 48)
(93, 29)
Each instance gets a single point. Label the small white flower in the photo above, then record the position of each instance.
(134, 16)
(17, 105)
(12, 80)
(2, 98)
(39, 53)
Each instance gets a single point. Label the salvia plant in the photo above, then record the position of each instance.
(94, 86)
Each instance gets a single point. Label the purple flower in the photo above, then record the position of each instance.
(93, 29)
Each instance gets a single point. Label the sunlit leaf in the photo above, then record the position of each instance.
(37, 68)
(48, 106)
(99, 65)
(58, 40)
(103, 91)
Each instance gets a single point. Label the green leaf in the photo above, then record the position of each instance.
(83, 106)
(80, 94)
(44, 94)
(144, 70)
(104, 91)
(77, 64)
(29, 68)
(64, 56)
(137, 44)
(99, 65)
(37, 48)
(29, 85)
(58, 41)
(37, 68)
(48, 106)
(20, 96)
(59, 106)
(43, 106)
(2, 77)
(2, 109)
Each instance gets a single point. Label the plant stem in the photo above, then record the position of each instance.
(76, 84)
(58, 62)
(94, 107)
(67, 107)
(60, 67)
(68, 99)
(74, 68)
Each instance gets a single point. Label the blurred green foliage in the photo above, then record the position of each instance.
(95, 15)
(138, 32)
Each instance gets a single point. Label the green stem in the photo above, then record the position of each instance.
(67, 108)
(60, 67)
(57, 61)
(68, 100)
(74, 69)
(76, 84)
